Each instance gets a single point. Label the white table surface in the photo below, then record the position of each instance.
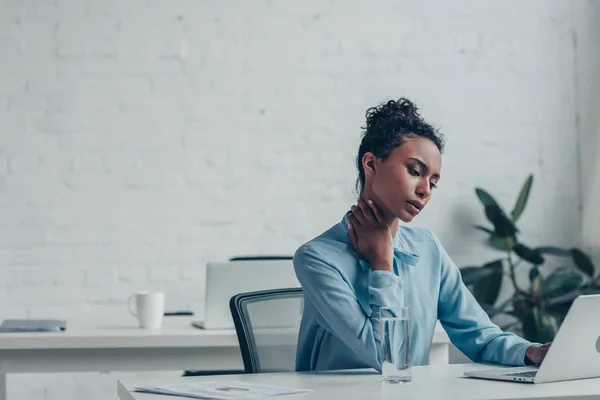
(117, 344)
(91, 334)
(105, 346)
(175, 332)
(89, 345)
(444, 382)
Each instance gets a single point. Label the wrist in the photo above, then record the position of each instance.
(529, 354)
(382, 265)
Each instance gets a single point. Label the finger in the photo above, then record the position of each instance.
(366, 211)
(353, 220)
(358, 215)
(546, 345)
(376, 211)
(352, 236)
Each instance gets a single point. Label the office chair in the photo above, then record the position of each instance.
(267, 324)
(237, 258)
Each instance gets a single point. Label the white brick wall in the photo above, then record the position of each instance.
(139, 139)
(588, 65)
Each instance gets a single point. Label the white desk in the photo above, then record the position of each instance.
(120, 346)
(444, 382)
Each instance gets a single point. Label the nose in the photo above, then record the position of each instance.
(423, 189)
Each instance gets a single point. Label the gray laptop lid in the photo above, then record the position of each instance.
(575, 351)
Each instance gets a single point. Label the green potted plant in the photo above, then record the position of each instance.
(538, 307)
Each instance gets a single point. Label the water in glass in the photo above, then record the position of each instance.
(395, 343)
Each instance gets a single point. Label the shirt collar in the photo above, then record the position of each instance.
(406, 257)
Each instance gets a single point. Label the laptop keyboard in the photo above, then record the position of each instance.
(528, 374)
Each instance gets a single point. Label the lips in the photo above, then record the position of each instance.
(414, 207)
(417, 204)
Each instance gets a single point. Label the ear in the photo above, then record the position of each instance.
(369, 163)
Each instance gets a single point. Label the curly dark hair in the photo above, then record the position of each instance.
(388, 126)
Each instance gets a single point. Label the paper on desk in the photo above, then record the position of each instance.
(220, 390)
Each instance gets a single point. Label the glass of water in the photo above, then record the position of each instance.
(395, 344)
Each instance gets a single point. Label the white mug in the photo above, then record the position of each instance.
(149, 309)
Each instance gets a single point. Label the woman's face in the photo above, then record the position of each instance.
(402, 184)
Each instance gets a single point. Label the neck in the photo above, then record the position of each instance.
(389, 218)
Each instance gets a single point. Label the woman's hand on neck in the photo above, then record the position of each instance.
(390, 219)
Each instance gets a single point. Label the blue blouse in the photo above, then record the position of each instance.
(340, 326)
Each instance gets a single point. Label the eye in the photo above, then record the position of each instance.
(413, 172)
(433, 185)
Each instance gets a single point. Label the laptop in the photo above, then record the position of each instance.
(33, 325)
(574, 354)
(226, 279)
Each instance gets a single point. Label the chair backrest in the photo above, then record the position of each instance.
(267, 324)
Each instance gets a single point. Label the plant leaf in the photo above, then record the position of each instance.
(536, 285)
(486, 307)
(590, 291)
(539, 326)
(503, 226)
(522, 199)
(486, 291)
(484, 229)
(561, 282)
(583, 262)
(528, 254)
(546, 325)
(560, 310)
(533, 273)
(520, 308)
(553, 250)
(499, 243)
(493, 311)
(471, 275)
(485, 198)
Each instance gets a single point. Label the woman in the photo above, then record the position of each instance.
(369, 261)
